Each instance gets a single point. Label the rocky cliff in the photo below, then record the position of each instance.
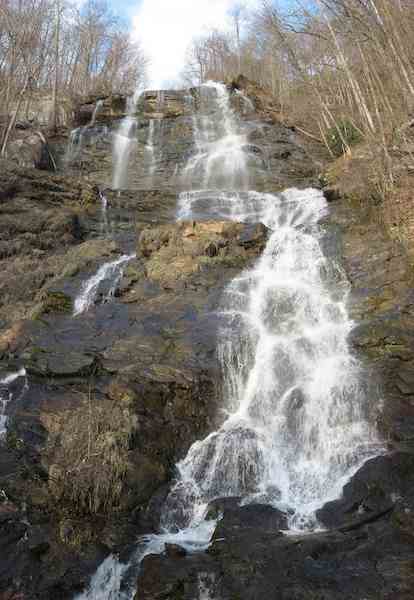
(111, 398)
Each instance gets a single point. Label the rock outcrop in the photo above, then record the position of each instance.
(114, 396)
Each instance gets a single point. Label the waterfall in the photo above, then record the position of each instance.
(248, 105)
(108, 272)
(105, 228)
(74, 145)
(123, 144)
(297, 423)
(220, 160)
(98, 106)
(77, 135)
(150, 146)
(7, 394)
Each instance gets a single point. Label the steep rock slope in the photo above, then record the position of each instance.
(115, 395)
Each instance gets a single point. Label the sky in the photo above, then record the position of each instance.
(165, 29)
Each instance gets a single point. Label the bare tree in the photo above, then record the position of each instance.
(50, 46)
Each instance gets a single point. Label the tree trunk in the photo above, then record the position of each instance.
(14, 117)
(56, 80)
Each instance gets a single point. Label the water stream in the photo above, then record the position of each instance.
(298, 417)
(220, 161)
(76, 137)
(298, 423)
(105, 224)
(9, 390)
(150, 147)
(123, 143)
(109, 273)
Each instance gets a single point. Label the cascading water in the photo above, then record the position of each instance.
(109, 272)
(298, 417)
(247, 104)
(98, 107)
(123, 144)
(298, 422)
(220, 160)
(8, 389)
(77, 135)
(150, 146)
(105, 226)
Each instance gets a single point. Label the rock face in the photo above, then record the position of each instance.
(380, 271)
(114, 396)
(163, 140)
(40, 222)
(175, 252)
(371, 562)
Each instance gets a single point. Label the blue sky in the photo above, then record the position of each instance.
(165, 29)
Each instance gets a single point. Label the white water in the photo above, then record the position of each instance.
(123, 143)
(110, 271)
(105, 227)
(248, 105)
(76, 136)
(74, 145)
(298, 416)
(97, 108)
(298, 422)
(220, 161)
(114, 580)
(153, 129)
(6, 395)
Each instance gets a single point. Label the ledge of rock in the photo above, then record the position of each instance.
(175, 252)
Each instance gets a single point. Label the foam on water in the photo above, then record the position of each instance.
(298, 423)
(220, 159)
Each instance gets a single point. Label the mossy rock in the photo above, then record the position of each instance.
(57, 302)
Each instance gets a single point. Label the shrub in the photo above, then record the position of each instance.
(342, 135)
(91, 456)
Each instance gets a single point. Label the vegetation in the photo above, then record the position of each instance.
(342, 136)
(91, 456)
(53, 45)
(342, 69)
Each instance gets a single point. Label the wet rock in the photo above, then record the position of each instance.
(253, 235)
(262, 564)
(141, 375)
(38, 541)
(219, 506)
(381, 302)
(373, 491)
(175, 551)
(39, 223)
(258, 517)
(332, 194)
(111, 108)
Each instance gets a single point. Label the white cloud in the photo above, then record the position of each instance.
(165, 29)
